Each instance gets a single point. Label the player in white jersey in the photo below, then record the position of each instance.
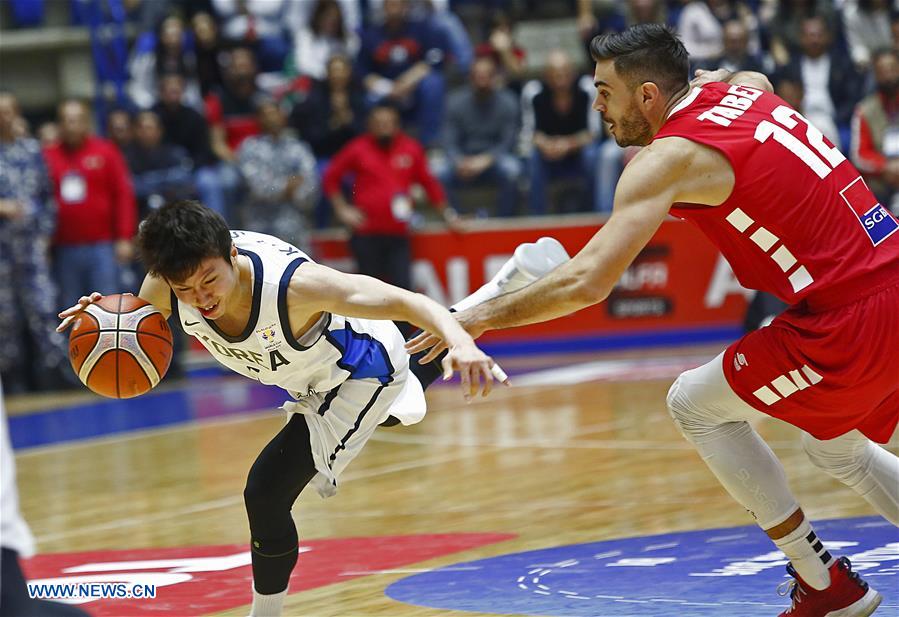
(265, 310)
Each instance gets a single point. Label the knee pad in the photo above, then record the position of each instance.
(683, 410)
(840, 458)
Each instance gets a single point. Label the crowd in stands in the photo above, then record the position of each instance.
(286, 116)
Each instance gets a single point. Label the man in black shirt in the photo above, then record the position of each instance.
(564, 130)
(184, 126)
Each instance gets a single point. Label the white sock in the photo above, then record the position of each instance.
(808, 555)
(267, 605)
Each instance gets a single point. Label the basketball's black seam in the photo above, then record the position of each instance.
(118, 322)
(138, 331)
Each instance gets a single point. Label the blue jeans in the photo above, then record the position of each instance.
(428, 107)
(217, 186)
(504, 173)
(542, 172)
(84, 268)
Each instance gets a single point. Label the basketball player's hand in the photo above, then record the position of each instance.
(427, 340)
(69, 315)
(707, 77)
(476, 369)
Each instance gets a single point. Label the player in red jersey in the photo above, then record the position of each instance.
(794, 218)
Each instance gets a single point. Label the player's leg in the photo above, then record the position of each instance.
(863, 466)
(280, 472)
(715, 419)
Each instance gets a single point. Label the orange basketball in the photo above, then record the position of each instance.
(120, 346)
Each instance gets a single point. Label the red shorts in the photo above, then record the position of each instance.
(825, 371)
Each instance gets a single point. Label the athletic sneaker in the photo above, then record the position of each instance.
(530, 262)
(847, 596)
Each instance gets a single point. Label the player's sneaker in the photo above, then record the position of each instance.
(530, 262)
(847, 596)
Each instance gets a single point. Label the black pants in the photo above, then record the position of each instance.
(387, 258)
(14, 599)
(278, 476)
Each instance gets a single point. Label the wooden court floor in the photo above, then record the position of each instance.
(554, 464)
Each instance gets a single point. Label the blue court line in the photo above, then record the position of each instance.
(610, 342)
(220, 397)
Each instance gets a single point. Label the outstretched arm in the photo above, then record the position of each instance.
(667, 171)
(315, 288)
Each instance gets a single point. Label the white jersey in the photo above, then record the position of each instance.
(335, 349)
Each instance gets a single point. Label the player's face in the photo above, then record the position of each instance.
(618, 104)
(210, 288)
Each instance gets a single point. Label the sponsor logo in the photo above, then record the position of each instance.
(876, 220)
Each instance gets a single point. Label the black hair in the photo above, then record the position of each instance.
(646, 52)
(175, 239)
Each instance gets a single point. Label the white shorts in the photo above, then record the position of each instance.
(342, 421)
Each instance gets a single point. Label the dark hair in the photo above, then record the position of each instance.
(177, 237)
(646, 52)
(315, 22)
(882, 52)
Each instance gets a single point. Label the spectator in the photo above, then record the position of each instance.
(118, 128)
(599, 16)
(160, 171)
(505, 52)
(867, 25)
(27, 291)
(185, 127)
(438, 16)
(256, 23)
(161, 53)
(829, 81)
(325, 37)
(299, 15)
(875, 131)
(401, 62)
(209, 52)
(230, 109)
(479, 137)
(281, 179)
(386, 162)
(700, 26)
(97, 214)
(736, 55)
(559, 121)
(784, 24)
(48, 134)
(333, 113)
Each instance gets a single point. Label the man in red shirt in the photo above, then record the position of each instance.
(97, 216)
(385, 163)
(795, 219)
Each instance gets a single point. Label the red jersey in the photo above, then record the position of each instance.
(93, 189)
(383, 178)
(800, 223)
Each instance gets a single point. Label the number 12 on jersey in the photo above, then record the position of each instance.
(820, 157)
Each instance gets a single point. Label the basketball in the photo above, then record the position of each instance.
(120, 346)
